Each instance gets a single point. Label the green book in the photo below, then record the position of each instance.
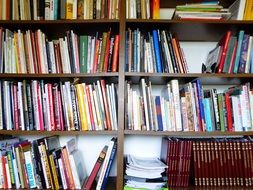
(231, 46)
(221, 111)
(83, 53)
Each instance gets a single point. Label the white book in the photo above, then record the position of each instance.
(47, 115)
(244, 111)
(248, 59)
(89, 54)
(69, 106)
(105, 164)
(144, 95)
(176, 100)
(74, 16)
(45, 63)
(47, 10)
(52, 56)
(30, 169)
(65, 107)
(235, 101)
(93, 107)
(92, 53)
(109, 104)
(35, 104)
(20, 106)
(66, 45)
(21, 52)
(63, 179)
(135, 111)
(194, 109)
(129, 106)
(35, 13)
(114, 106)
(163, 114)
(30, 53)
(41, 53)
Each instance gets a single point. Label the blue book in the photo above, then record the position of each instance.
(56, 9)
(157, 52)
(201, 107)
(206, 103)
(108, 169)
(238, 51)
(244, 52)
(135, 51)
(159, 113)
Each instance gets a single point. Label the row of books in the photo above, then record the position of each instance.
(189, 108)
(156, 51)
(232, 54)
(143, 9)
(32, 52)
(103, 166)
(40, 164)
(41, 105)
(214, 162)
(58, 9)
(177, 155)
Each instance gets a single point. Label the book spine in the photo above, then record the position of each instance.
(157, 51)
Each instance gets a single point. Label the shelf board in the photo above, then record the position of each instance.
(39, 76)
(169, 21)
(187, 134)
(59, 22)
(60, 133)
(209, 78)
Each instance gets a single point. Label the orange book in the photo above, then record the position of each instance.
(180, 66)
(65, 157)
(155, 9)
(115, 54)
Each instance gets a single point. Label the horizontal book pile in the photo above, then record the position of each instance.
(32, 52)
(189, 108)
(145, 173)
(41, 164)
(215, 162)
(157, 51)
(202, 11)
(232, 54)
(63, 106)
(102, 167)
(143, 9)
(58, 9)
(177, 155)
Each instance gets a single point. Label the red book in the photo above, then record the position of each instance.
(60, 111)
(115, 54)
(96, 56)
(225, 163)
(4, 172)
(229, 112)
(155, 9)
(224, 42)
(8, 10)
(94, 172)
(38, 52)
(198, 164)
(195, 163)
(15, 102)
(206, 164)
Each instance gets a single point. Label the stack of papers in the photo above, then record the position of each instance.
(143, 170)
(210, 10)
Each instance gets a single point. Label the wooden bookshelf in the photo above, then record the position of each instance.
(184, 30)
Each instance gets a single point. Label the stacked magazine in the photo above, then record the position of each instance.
(145, 173)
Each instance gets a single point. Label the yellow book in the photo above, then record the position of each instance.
(56, 182)
(247, 11)
(69, 9)
(81, 107)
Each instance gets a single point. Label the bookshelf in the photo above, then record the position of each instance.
(204, 31)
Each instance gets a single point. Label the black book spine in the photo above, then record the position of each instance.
(111, 54)
(29, 105)
(138, 7)
(172, 53)
(74, 107)
(163, 55)
(71, 53)
(41, 9)
(48, 58)
(94, 9)
(56, 157)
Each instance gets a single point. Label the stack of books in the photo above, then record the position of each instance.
(157, 51)
(145, 173)
(201, 11)
(232, 54)
(58, 9)
(32, 52)
(189, 108)
(40, 105)
(40, 164)
(177, 155)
